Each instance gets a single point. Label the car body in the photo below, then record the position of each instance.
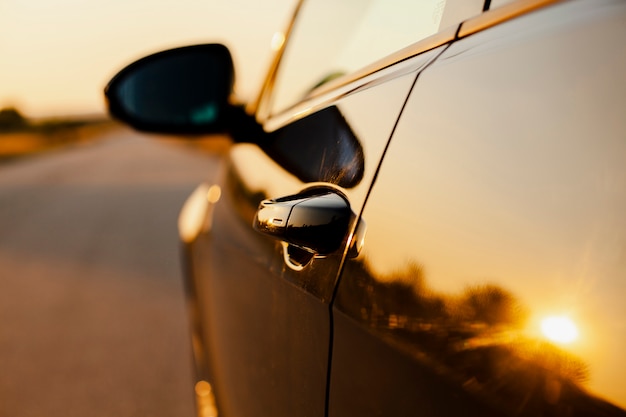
(422, 214)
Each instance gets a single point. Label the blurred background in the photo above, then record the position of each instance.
(92, 313)
(57, 55)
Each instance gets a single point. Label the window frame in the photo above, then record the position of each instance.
(329, 92)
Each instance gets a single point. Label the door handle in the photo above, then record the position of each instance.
(316, 220)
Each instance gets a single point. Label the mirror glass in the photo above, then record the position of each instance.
(179, 90)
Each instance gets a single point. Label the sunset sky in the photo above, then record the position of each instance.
(57, 55)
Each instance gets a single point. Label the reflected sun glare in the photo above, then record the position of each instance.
(277, 41)
(559, 329)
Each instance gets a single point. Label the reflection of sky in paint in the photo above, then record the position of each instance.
(57, 55)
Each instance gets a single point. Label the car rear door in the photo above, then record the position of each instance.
(491, 278)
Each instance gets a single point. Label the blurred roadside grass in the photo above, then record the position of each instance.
(215, 145)
(21, 137)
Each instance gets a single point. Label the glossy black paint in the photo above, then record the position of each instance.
(251, 347)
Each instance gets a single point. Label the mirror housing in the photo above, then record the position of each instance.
(182, 90)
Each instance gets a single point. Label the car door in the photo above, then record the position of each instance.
(266, 323)
(491, 279)
(261, 306)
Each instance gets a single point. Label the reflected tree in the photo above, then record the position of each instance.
(477, 337)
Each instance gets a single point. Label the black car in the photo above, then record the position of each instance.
(422, 214)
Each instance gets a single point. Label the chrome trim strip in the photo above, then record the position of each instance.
(260, 106)
(501, 14)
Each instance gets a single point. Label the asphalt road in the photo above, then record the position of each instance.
(92, 314)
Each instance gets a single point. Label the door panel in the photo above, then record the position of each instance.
(492, 275)
(265, 326)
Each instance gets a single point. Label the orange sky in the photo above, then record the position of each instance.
(57, 55)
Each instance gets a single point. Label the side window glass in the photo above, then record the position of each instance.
(332, 38)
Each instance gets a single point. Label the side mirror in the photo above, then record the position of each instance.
(182, 90)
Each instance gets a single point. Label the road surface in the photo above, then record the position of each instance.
(92, 314)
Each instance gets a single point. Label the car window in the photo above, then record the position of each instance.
(333, 38)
